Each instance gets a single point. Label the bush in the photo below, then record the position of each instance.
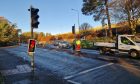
(104, 39)
(86, 44)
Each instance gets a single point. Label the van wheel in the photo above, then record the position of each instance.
(134, 54)
(102, 51)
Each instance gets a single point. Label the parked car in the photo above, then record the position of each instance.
(56, 43)
(64, 44)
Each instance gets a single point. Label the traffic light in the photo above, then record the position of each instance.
(34, 17)
(31, 45)
(73, 29)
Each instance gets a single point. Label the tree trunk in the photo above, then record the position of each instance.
(108, 18)
(129, 19)
(133, 19)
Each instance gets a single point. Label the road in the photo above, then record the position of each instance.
(86, 68)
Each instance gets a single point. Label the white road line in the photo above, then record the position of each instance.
(86, 71)
(19, 69)
(73, 82)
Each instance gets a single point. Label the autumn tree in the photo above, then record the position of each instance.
(48, 34)
(99, 9)
(25, 36)
(52, 38)
(127, 10)
(8, 32)
(41, 35)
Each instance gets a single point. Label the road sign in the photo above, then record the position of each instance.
(31, 45)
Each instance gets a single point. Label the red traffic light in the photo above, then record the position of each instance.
(31, 45)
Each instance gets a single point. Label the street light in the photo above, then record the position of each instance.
(78, 17)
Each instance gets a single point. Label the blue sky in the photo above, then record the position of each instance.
(56, 16)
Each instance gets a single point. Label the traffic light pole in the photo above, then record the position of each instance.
(32, 33)
(33, 24)
(73, 31)
(32, 54)
(32, 57)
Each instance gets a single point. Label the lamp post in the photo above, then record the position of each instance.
(77, 18)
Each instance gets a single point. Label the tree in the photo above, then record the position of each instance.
(8, 33)
(40, 36)
(84, 29)
(48, 34)
(85, 26)
(25, 36)
(99, 9)
(52, 38)
(127, 10)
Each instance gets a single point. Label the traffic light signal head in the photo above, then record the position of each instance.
(34, 17)
(31, 45)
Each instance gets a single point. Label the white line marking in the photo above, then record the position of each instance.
(86, 71)
(19, 69)
(73, 82)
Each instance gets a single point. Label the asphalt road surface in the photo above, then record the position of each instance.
(86, 68)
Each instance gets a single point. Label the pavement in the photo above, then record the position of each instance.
(15, 70)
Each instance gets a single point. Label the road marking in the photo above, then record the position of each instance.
(86, 71)
(73, 82)
(19, 69)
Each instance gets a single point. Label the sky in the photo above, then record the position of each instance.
(55, 16)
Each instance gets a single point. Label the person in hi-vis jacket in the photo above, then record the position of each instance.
(78, 45)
